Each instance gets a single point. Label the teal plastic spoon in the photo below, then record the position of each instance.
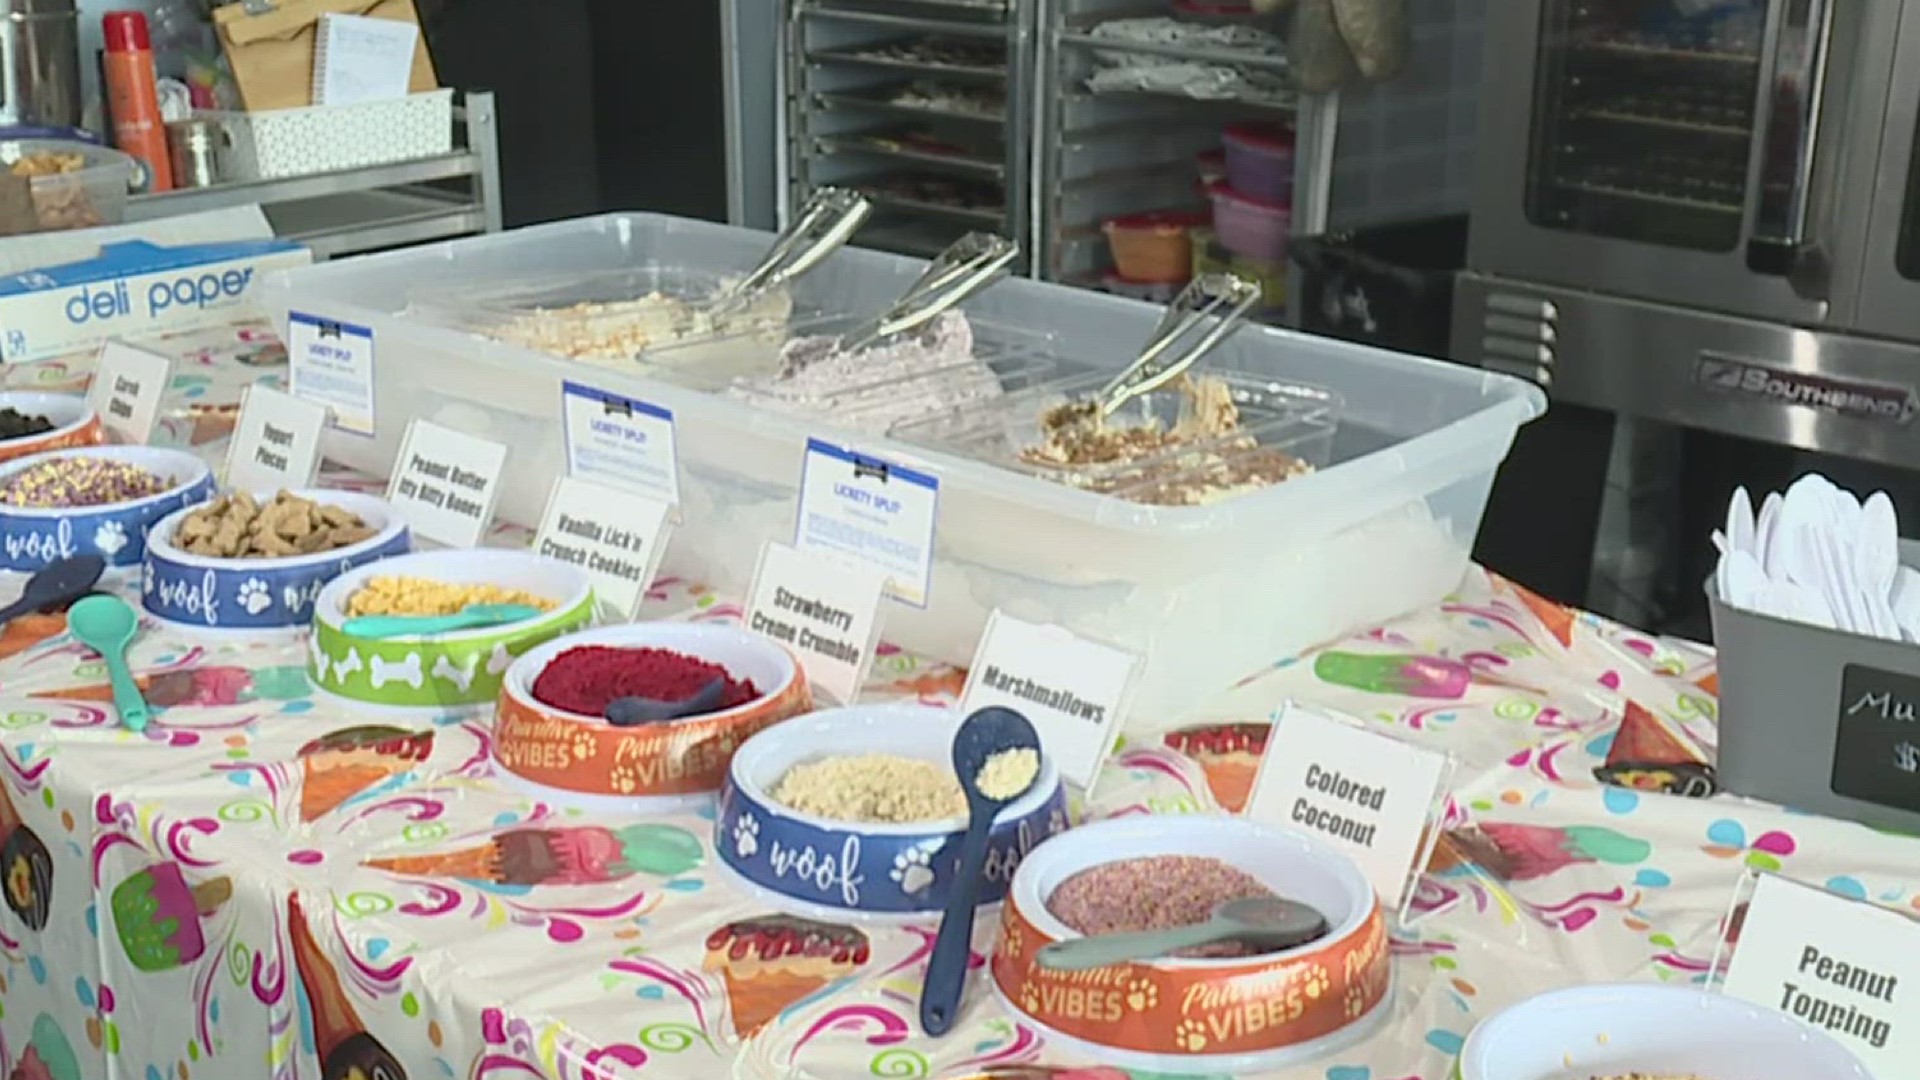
(106, 624)
(471, 617)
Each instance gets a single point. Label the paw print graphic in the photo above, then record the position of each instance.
(1009, 940)
(583, 746)
(911, 870)
(623, 780)
(109, 538)
(1356, 1000)
(253, 596)
(1316, 982)
(1190, 1036)
(746, 836)
(1142, 995)
(1030, 998)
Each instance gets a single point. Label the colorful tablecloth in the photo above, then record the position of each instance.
(264, 884)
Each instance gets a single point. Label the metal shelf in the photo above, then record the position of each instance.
(865, 103)
(1229, 57)
(867, 144)
(888, 63)
(961, 16)
(380, 206)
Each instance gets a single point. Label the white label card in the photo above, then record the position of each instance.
(1368, 794)
(127, 389)
(1844, 966)
(617, 537)
(276, 442)
(620, 442)
(330, 364)
(445, 482)
(1072, 689)
(854, 506)
(826, 610)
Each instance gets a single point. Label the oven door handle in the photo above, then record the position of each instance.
(1783, 233)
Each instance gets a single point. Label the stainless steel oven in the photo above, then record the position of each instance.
(1705, 212)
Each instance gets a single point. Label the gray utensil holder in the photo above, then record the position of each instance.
(1816, 719)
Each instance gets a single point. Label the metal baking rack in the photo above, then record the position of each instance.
(847, 64)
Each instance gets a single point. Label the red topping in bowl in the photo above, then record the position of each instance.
(585, 678)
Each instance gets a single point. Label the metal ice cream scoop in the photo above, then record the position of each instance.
(974, 262)
(1265, 922)
(1159, 363)
(822, 227)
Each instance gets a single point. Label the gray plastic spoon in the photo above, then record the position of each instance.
(634, 711)
(1269, 922)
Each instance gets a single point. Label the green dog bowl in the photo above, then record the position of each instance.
(458, 670)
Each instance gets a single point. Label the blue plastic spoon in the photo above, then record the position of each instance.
(634, 711)
(106, 624)
(56, 584)
(470, 617)
(982, 735)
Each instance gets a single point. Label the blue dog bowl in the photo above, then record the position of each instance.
(33, 536)
(260, 594)
(819, 868)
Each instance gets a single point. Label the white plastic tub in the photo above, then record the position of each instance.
(1206, 594)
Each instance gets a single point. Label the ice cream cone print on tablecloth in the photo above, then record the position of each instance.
(1650, 754)
(156, 915)
(1229, 753)
(1514, 852)
(48, 1055)
(27, 864)
(200, 687)
(564, 855)
(345, 1048)
(341, 764)
(770, 962)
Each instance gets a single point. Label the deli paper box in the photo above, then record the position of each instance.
(132, 288)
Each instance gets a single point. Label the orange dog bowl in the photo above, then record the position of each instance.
(74, 424)
(660, 764)
(1232, 1015)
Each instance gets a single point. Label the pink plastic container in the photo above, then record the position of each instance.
(1256, 228)
(1260, 161)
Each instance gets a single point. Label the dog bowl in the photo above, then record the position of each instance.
(1230, 1015)
(1649, 1029)
(456, 670)
(657, 765)
(260, 594)
(74, 424)
(33, 536)
(827, 869)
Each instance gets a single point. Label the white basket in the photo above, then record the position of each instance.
(327, 138)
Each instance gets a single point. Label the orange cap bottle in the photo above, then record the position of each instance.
(133, 95)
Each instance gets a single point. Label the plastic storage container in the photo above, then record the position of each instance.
(1260, 161)
(1205, 594)
(93, 194)
(1248, 226)
(1153, 247)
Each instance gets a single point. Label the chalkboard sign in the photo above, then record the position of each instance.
(1876, 752)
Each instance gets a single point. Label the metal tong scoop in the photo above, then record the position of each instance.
(824, 224)
(974, 262)
(1207, 296)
